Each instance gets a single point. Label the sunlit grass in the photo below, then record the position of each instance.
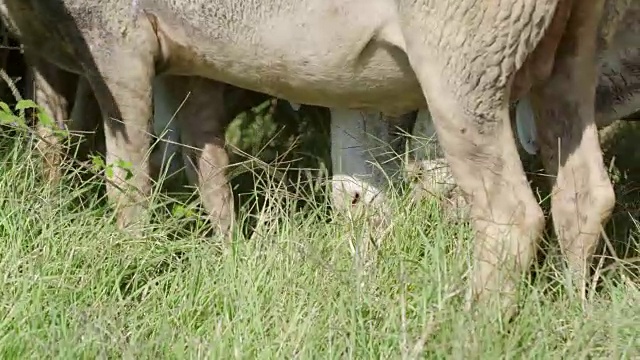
(73, 286)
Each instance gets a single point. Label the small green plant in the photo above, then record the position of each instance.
(98, 164)
(19, 121)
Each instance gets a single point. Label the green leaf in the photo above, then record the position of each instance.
(97, 161)
(124, 164)
(5, 108)
(26, 104)
(179, 211)
(108, 171)
(45, 119)
(8, 118)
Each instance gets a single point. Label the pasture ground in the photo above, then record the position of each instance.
(75, 287)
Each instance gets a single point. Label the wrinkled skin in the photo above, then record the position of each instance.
(617, 97)
(618, 87)
(617, 92)
(467, 59)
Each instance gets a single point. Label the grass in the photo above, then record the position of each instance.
(73, 286)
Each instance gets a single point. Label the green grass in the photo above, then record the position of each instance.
(73, 286)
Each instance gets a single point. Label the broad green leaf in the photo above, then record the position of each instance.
(26, 104)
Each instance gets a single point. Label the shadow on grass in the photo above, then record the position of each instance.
(269, 143)
(282, 146)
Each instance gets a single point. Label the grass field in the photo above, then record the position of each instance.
(73, 286)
